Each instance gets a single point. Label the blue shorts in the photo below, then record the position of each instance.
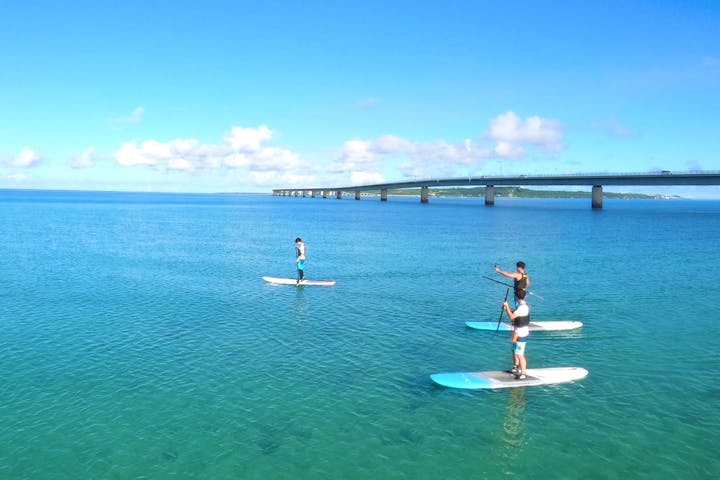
(519, 346)
(301, 265)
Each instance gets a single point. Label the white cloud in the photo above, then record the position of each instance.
(246, 153)
(358, 153)
(275, 159)
(133, 118)
(362, 160)
(242, 149)
(508, 150)
(248, 139)
(170, 155)
(84, 160)
(508, 137)
(26, 158)
(513, 135)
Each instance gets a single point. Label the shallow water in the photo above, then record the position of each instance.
(140, 341)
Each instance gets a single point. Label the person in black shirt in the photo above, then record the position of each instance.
(520, 279)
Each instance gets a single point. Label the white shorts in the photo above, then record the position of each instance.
(519, 346)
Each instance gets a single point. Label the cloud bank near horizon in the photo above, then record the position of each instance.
(249, 153)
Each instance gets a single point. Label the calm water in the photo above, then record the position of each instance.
(139, 341)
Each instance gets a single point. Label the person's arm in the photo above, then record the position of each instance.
(301, 253)
(510, 313)
(513, 275)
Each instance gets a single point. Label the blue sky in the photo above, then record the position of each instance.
(233, 96)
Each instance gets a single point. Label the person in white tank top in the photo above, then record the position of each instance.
(521, 330)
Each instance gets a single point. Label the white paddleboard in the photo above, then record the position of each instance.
(544, 326)
(293, 281)
(499, 379)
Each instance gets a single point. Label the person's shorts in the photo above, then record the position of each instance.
(519, 346)
(301, 265)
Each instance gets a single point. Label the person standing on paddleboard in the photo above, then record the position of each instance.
(300, 259)
(520, 279)
(520, 320)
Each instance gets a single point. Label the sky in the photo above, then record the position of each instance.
(236, 96)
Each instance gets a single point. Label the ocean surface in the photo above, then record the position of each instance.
(138, 339)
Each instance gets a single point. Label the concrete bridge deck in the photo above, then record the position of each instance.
(596, 181)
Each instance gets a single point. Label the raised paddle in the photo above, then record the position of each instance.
(510, 286)
(502, 309)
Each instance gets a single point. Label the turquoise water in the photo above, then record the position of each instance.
(139, 341)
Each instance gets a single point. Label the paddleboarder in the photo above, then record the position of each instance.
(520, 320)
(520, 279)
(300, 259)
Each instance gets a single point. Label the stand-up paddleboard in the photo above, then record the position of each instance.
(293, 281)
(550, 325)
(497, 379)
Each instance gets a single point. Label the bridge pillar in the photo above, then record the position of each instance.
(312, 193)
(490, 195)
(383, 195)
(357, 194)
(597, 196)
(324, 193)
(424, 194)
(338, 194)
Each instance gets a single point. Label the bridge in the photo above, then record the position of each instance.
(596, 181)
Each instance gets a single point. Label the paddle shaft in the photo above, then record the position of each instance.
(511, 286)
(502, 309)
(498, 281)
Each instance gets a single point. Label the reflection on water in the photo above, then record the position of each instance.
(513, 434)
(300, 306)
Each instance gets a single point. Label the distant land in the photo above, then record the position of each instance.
(523, 193)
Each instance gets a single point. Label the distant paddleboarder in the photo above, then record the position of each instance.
(300, 259)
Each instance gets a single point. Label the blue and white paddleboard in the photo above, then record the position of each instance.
(498, 379)
(293, 281)
(545, 326)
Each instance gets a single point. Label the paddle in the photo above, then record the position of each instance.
(502, 309)
(511, 286)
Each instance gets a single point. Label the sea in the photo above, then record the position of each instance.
(138, 339)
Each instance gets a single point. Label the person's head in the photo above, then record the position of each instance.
(298, 240)
(520, 294)
(521, 266)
